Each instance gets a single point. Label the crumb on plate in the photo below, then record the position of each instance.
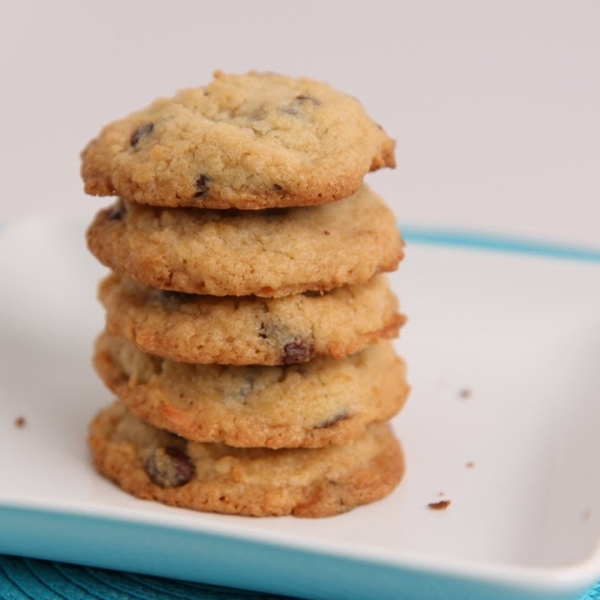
(439, 505)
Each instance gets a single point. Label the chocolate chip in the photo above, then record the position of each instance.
(116, 212)
(343, 416)
(201, 186)
(169, 467)
(297, 352)
(262, 332)
(140, 132)
(296, 108)
(303, 97)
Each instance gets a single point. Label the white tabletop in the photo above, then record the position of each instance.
(495, 105)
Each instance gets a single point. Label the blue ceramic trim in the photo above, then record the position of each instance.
(163, 551)
(476, 240)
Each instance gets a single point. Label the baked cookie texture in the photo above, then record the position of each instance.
(153, 464)
(319, 403)
(250, 330)
(249, 317)
(270, 253)
(251, 141)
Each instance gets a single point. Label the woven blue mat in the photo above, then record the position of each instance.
(29, 579)
(593, 594)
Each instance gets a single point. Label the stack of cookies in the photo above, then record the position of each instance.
(248, 316)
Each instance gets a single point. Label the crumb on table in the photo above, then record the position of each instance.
(20, 422)
(465, 393)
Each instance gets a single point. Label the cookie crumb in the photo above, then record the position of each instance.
(465, 393)
(470, 465)
(20, 422)
(586, 515)
(439, 505)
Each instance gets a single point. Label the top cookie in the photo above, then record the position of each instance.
(258, 140)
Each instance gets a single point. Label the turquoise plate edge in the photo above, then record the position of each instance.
(163, 551)
(491, 242)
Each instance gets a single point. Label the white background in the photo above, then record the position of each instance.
(495, 104)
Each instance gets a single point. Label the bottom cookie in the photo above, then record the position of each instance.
(154, 464)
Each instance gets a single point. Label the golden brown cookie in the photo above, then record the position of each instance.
(270, 253)
(325, 401)
(245, 141)
(155, 465)
(249, 330)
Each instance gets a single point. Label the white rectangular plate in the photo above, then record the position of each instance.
(503, 353)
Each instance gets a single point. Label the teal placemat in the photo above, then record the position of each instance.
(593, 594)
(29, 579)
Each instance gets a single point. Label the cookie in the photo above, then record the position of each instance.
(325, 401)
(258, 140)
(248, 330)
(155, 465)
(270, 253)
